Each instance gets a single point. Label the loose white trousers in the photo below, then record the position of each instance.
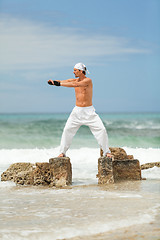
(84, 116)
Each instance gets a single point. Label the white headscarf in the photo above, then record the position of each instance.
(81, 66)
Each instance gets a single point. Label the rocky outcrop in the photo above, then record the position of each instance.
(105, 171)
(126, 169)
(120, 167)
(150, 165)
(118, 153)
(58, 173)
(16, 170)
(61, 170)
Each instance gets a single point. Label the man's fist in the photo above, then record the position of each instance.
(56, 83)
(50, 82)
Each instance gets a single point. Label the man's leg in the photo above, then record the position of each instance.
(98, 130)
(69, 131)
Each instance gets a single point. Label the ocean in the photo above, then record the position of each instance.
(29, 131)
(85, 209)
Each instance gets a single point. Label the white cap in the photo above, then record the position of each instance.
(81, 66)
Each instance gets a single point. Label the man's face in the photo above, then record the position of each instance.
(76, 72)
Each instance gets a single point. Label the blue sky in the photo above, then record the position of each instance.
(118, 40)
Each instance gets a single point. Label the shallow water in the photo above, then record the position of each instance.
(41, 213)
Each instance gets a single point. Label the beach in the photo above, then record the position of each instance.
(144, 231)
(84, 210)
(126, 210)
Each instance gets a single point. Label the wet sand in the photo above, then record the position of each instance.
(147, 231)
(150, 231)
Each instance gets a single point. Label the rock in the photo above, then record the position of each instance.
(17, 168)
(122, 167)
(58, 173)
(118, 153)
(126, 169)
(61, 169)
(130, 157)
(105, 171)
(42, 174)
(150, 165)
(24, 178)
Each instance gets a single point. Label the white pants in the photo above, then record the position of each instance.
(84, 116)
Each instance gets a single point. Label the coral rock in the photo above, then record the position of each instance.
(126, 170)
(105, 171)
(150, 165)
(58, 173)
(122, 167)
(118, 153)
(61, 169)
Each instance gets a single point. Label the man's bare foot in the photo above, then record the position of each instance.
(61, 155)
(109, 155)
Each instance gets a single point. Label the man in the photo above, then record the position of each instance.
(83, 113)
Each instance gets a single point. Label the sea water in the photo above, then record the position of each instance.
(38, 213)
(44, 131)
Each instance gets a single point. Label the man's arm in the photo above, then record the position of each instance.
(51, 82)
(83, 83)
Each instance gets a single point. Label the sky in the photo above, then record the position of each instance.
(118, 41)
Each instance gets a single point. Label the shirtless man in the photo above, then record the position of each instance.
(83, 113)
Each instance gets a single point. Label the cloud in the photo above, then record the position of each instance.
(30, 45)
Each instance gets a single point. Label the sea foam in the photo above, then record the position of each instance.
(151, 173)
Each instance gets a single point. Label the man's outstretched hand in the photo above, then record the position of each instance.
(55, 83)
(50, 82)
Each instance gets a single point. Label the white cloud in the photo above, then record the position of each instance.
(25, 44)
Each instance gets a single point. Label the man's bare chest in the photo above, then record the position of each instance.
(81, 91)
